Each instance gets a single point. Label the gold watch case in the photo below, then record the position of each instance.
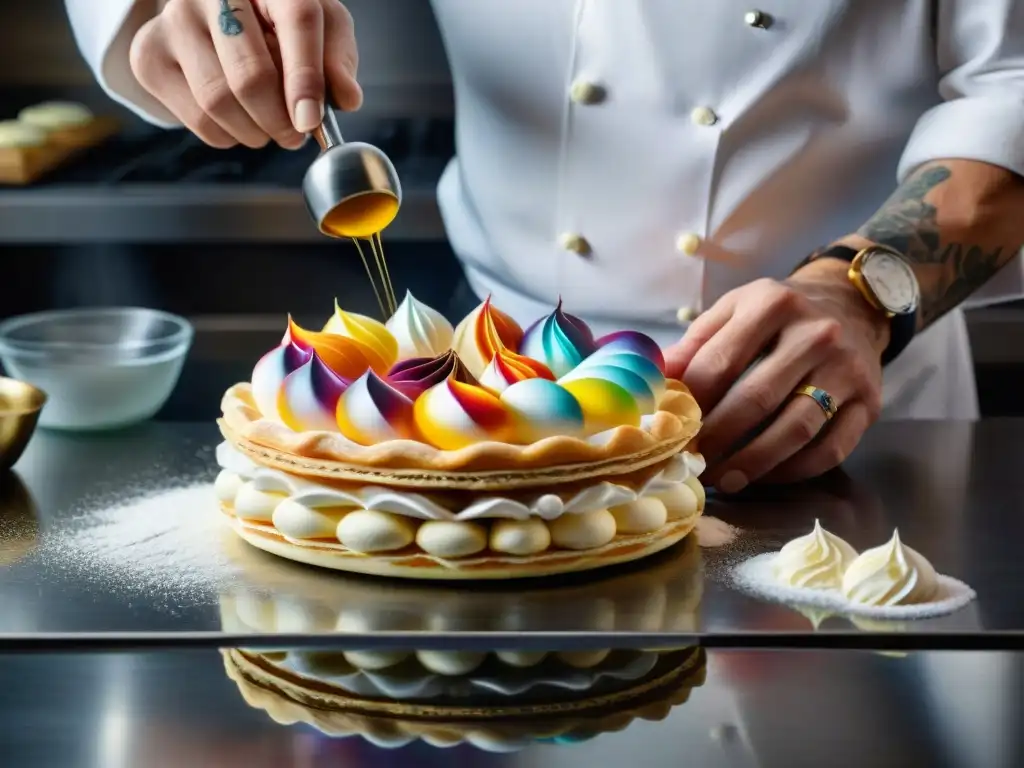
(858, 274)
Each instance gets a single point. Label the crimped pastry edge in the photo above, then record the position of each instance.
(675, 424)
(624, 548)
(288, 699)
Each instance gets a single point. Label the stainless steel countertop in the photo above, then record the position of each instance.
(773, 710)
(955, 491)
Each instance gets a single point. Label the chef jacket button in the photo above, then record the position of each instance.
(689, 243)
(586, 92)
(757, 19)
(703, 116)
(575, 243)
(686, 315)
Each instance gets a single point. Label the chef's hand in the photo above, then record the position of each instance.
(248, 71)
(814, 328)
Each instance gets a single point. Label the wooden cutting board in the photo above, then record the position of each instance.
(24, 165)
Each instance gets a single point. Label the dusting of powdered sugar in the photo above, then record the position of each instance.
(167, 545)
(756, 577)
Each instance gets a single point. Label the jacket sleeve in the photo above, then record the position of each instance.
(980, 58)
(104, 32)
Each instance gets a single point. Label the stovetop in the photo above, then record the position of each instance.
(152, 156)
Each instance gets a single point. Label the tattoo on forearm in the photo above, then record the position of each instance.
(948, 271)
(228, 18)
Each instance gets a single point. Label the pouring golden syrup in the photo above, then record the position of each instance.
(364, 216)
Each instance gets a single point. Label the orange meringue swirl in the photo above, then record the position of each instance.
(452, 415)
(347, 357)
(482, 333)
(508, 367)
(371, 333)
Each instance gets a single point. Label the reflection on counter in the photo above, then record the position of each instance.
(19, 520)
(502, 701)
(281, 598)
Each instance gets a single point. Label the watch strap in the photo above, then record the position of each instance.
(902, 328)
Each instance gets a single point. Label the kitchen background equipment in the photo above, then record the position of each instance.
(102, 368)
(156, 218)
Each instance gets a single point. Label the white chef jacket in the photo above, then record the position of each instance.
(639, 158)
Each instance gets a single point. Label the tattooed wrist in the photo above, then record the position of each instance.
(950, 262)
(228, 19)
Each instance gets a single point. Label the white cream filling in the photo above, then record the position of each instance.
(375, 519)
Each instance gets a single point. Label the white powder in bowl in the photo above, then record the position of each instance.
(755, 576)
(168, 545)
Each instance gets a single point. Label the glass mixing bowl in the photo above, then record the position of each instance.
(102, 368)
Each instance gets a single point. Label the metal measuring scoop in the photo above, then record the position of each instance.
(343, 172)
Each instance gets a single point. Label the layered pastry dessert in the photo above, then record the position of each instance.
(483, 451)
(501, 701)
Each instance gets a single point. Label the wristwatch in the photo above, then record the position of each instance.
(887, 283)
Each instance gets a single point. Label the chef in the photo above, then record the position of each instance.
(795, 199)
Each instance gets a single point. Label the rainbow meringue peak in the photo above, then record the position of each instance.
(339, 361)
(419, 330)
(371, 411)
(414, 377)
(891, 574)
(632, 343)
(507, 368)
(540, 408)
(604, 403)
(560, 341)
(453, 414)
(381, 346)
(815, 561)
(482, 333)
(309, 395)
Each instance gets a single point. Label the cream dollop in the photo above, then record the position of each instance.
(420, 331)
(891, 574)
(815, 561)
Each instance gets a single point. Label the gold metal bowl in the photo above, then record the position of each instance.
(20, 404)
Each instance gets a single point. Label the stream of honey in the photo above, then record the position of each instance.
(363, 217)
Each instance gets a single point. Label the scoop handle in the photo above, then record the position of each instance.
(328, 133)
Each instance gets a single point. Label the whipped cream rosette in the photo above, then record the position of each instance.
(484, 423)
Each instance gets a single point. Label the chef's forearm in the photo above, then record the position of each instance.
(958, 222)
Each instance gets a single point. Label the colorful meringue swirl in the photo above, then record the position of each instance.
(347, 357)
(452, 415)
(561, 341)
(507, 368)
(632, 342)
(416, 376)
(371, 411)
(270, 372)
(482, 333)
(630, 381)
(372, 334)
(309, 395)
(636, 365)
(419, 330)
(605, 404)
(541, 408)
